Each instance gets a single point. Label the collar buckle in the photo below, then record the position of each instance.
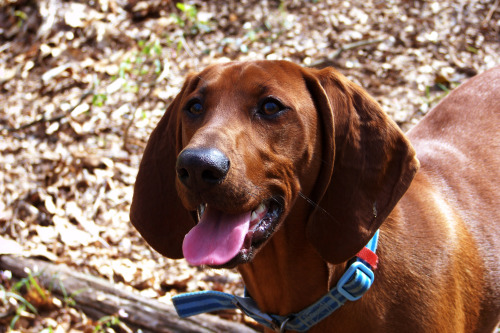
(356, 280)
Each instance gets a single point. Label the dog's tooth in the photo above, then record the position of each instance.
(260, 209)
(254, 216)
(201, 209)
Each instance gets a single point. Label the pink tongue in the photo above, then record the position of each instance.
(217, 238)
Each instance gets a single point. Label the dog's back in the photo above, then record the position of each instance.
(458, 145)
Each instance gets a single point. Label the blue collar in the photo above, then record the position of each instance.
(355, 281)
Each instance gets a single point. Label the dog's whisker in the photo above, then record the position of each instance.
(317, 206)
(309, 200)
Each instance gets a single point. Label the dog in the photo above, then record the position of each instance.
(288, 172)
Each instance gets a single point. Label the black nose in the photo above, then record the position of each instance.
(201, 168)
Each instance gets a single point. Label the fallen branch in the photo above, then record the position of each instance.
(338, 52)
(98, 298)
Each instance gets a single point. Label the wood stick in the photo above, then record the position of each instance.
(98, 298)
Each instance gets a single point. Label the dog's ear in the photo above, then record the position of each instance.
(367, 166)
(156, 210)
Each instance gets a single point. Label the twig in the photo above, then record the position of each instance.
(126, 131)
(5, 47)
(346, 47)
(48, 11)
(58, 117)
(490, 14)
(139, 102)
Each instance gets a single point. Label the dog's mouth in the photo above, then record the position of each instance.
(226, 240)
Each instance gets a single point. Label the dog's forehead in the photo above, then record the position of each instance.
(255, 76)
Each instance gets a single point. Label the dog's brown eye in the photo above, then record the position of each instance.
(195, 108)
(271, 107)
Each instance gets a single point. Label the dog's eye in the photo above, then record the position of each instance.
(195, 108)
(271, 107)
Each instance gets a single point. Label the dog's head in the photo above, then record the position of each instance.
(242, 142)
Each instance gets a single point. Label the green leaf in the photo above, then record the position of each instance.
(472, 49)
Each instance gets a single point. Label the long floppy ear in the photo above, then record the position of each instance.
(367, 166)
(156, 210)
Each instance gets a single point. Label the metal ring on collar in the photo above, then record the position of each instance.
(283, 324)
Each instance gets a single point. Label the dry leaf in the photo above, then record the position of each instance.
(8, 246)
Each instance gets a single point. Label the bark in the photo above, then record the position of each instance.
(98, 298)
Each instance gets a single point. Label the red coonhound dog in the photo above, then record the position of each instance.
(287, 172)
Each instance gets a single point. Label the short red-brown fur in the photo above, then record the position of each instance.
(345, 170)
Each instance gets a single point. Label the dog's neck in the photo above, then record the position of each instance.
(287, 280)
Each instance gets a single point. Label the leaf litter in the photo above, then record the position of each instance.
(83, 84)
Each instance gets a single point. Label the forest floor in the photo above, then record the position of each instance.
(83, 83)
